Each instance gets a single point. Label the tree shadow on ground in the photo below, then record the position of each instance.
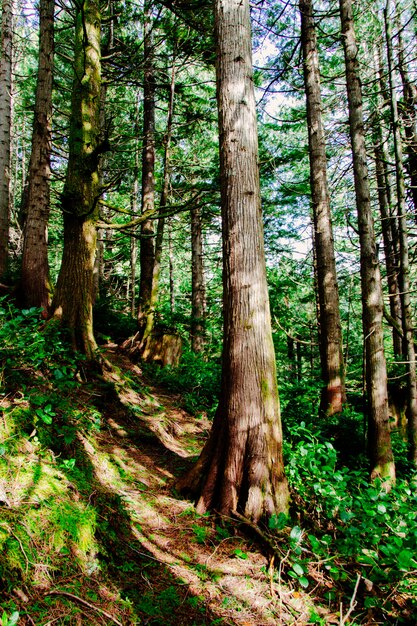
(155, 595)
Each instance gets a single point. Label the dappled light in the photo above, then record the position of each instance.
(208, 270)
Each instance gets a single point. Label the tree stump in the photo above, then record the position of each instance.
(162, 348)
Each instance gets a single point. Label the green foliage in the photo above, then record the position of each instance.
(240, 554)
(347, 525)
(28, 342)
(9, 620)
(197, 380)
(110, 322)
(37, 360)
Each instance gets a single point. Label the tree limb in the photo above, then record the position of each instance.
(71, 596)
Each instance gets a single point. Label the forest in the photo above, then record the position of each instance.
(208, 264)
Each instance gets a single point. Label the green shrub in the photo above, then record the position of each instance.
(347, 524)
(197, 380)
(31, 348)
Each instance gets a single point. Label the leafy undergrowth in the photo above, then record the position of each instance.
(91, 531)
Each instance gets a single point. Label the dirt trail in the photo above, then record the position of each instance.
(174, 566)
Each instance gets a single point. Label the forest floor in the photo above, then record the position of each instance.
(187, 569)
(153, 559)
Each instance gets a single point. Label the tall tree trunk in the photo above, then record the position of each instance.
(241, 465)
(379, 440)
(333, 394)
(404, 275)
(409, 116)
(156, 272)
(147, 253)
(171, 269)
(35, 282)
(5, 128)
(73, 299)
(104, 236)
(133, 240)
(389, 226)
(388, 237)
(197, 283)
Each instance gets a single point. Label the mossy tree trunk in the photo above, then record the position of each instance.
(5, 128)
(73, 299)
(379, 441)
(241, 466)
(35, 283)
(331, 355)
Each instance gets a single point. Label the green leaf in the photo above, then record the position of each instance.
(303, 582)
(346, 516)
(405, 560)
(277, 522)
(46, 418)
(13, 619)
(240, 554)
(298, 569)
(296, 533)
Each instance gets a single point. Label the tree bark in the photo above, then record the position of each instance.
(331, 353)
(5, 128)
(379, 441)
(409, 117)
(197, 283)
(35, 283)
(404, 275)
(388, 237)
(389, 226)
(171, 268)
(156, 271)
(241, 466)
(133, 240)
(147, 253)
(73, 299)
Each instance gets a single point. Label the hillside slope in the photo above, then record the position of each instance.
(90, 529)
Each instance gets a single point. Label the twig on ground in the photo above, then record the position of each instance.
(71, 596)
(271, 576)
(352, 603)
(265, 539)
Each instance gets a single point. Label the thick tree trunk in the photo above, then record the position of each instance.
(73, 299)
(241, 466)
(379, 441)
(197, 283)
(5, 128)
(35, 282)
(147, 253)
(333, 394)
(404, 275)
